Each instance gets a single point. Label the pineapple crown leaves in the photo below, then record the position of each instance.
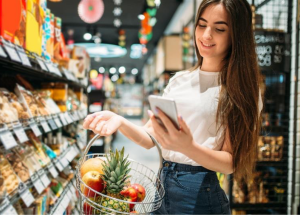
(116, 170)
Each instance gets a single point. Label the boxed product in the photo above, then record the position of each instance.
(47, 48)
(59, 93)
(10, 178)
(50, 45)
(80, 62)
(34, 26)
(45, 98)
(46, 32)
(18, 165)
(13, 21)
(27, 98)
(57, 39)
(44, 159)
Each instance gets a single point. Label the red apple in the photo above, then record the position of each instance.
(93, 164)
(131, 193)
(141, 192)
(92, 179)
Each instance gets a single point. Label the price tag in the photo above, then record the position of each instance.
(25, 195)
(7, 139)
(65, 201)
(10, 210)
(37, 183)
(53, 171)
(52, 124)
(59, 166)
(69, 193)
(45, 180)
(20, 133)
(57, 122)
(12, 53)
(24, 59)
(70, 155)
(64, 162)
(68, 118)
(2, 52)
(56, 70)
(42, 64)
(45, 126)
(63, 119)
(35, 129)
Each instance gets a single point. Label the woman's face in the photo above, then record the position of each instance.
(212, 33)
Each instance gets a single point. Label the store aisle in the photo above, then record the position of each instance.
(150, 157)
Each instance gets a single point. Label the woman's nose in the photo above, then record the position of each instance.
(207, 34)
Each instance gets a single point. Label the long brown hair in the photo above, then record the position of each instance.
(240, 80)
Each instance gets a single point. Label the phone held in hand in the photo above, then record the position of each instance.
(166, 105)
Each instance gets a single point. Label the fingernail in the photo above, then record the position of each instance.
(157, 110)
(149, 113)
(181, 117)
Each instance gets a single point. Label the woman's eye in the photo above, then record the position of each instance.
(220, 30)
(202, 26)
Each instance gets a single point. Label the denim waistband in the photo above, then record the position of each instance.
(184, 167)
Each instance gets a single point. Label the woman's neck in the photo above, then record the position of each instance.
(211, 65)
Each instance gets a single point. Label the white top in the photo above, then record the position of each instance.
(196, 94)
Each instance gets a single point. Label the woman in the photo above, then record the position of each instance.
(219, 102)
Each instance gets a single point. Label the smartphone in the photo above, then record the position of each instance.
(166, 105)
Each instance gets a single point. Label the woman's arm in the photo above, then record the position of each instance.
(219, 161)
(182, 141)
(106, 123)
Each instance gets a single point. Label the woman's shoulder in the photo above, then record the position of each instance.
(182, 73)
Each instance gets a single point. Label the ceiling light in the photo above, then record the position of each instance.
(118, 2)
(97, 59)
(112, 70)
(87, 36)
(117, 23)
(117, 11)
(122, 69)
(114, 78)
(157, 3)
(141, 17)
(134, 71)
(101, 69)
(97, 40)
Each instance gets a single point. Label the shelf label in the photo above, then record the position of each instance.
(20, 133)
(12, 53)
(45, 180)
(42, 64)
(53, 171)
(56, 70)
(23, 56)
(57, 122)
(45, 126)
(64, 162)
(7, 139)
(52, 124)
(63, 119)
(59, 166)
(35, 129)
(25, 195)
(37, 183)
(2, 52)
(68, 118)
(10, 210)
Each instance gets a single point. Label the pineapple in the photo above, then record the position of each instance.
(116, 169)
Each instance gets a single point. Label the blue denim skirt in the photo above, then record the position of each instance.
(191, 190)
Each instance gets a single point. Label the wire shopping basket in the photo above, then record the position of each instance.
(139, 174)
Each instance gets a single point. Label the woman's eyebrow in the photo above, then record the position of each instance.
(218, 22)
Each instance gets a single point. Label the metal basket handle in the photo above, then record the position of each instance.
(152, 138)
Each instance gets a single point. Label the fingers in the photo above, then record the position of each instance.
(99, 128)
(158, 129)
(88, 120)
(95, 121)
(183, 126)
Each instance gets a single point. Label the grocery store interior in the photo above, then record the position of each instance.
(61, 60)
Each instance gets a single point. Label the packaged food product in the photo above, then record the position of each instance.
(42, 105)
(13, 21)
(44, 159)
(59, 93)
(9, 176)
(2, 188)
(28, 158)
(18, 165)
(7, 112)
(27, 98)
(18, 208)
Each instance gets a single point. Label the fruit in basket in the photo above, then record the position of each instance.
(92, 179)
(141, 192)
(131, 194)
(116, 170)
(133, 212)
(87, 208)
(93, 164)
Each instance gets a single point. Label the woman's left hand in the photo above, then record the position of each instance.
(170, 137)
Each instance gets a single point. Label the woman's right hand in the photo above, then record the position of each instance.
(104, 123)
